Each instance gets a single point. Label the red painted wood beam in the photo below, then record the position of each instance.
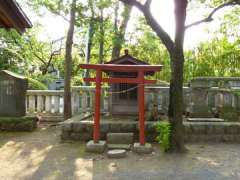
(96, 129)
(121, 80)
(141, 110)
(122, 68)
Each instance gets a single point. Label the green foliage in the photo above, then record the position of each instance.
(219, 57)
(28, 55)
(36, 85)
(236, 92)
(25, 123)
(164, 129)
(77, 81)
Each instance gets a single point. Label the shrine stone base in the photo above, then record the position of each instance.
(82, 130)
(96, 147)
(142, 149)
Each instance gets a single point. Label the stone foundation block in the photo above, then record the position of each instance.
(65, 135)
(120, 138)
(66, 126)
(142, 149)
(115, 128)
(78, 127)
(128, 127)
(96, 147)
(104, 128)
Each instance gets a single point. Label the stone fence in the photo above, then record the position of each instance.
(49, 103)
(205, 97)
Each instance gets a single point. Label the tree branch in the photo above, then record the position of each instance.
(209, 18)
(148, 4)
(145, 9)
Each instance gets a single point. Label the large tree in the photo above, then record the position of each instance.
(176, 52)
(68, 63)
(120, 28)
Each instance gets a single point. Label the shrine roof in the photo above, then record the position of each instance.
(127, 59)
(12, 16)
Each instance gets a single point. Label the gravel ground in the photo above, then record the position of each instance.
(41, 155)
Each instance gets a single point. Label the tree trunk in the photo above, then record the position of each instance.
(89, 46)
(175, 49)
(68, 64)
(176, 102)
(119, 32)
(101, 41)
(89, 39)
(176, 83)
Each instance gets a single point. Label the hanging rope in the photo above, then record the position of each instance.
(129, 89)
(124, 91)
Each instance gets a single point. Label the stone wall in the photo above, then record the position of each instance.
(215, 97)
(83, 130)
(195, 131)
(212, 131)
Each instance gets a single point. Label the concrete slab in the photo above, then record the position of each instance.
(205, 120)
(96, 147)
(119, 146)
(117, 153)
(142, 149)
(120, 138)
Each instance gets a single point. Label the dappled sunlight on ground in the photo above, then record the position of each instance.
(26, 157)
(41, 155)
(83, 168)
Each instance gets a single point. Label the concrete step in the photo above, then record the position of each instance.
(119, 146)
(117, 153)
(46, 118)
(205, 120)
(120, 138)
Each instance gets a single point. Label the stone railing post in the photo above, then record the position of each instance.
(45, 103)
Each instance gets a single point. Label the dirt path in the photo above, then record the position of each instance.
(41, 155)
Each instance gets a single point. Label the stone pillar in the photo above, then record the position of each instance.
(32, 104)
(40, 104)
(48, 104)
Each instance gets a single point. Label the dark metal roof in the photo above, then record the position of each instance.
(127, 59)
(12, 16)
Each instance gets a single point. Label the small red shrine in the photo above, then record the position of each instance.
(124, 70)
(123, 97)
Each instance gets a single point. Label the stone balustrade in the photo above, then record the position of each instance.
(49, 103)
(198, 101)
(44, 102)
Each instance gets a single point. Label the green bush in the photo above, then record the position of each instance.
(25, 123)
(36, 85)
(163, 129)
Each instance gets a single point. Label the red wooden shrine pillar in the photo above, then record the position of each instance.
(141, 108)
(96, 131)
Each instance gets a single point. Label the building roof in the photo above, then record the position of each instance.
(12, 16)
(127, 59)
(12, 74)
